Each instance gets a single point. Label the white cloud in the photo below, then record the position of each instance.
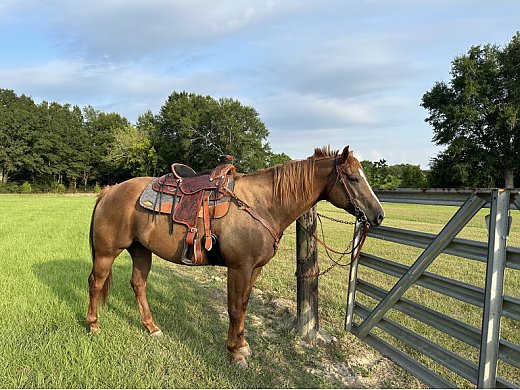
(128, 30)
(7, 7)
(127, 89)
(304, 112)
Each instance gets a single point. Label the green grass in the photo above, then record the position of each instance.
(45, 262)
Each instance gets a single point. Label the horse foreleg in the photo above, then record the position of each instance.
(142, 263)
(240, 284)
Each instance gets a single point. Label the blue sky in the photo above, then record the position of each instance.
(318, 72)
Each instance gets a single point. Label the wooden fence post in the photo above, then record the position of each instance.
(307, 276)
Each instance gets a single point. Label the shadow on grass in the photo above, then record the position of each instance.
(188, 312)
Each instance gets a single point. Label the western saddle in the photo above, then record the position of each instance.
(187, 196)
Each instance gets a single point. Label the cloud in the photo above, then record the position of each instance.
(307, 112)
(124, 88)
(128, 30)
(7, 8)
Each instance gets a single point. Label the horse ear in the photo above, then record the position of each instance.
(344, 154)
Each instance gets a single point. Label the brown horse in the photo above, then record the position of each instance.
(279, 195)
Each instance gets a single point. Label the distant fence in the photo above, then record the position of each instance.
(491, 299)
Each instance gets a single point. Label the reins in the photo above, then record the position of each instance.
(244, 206)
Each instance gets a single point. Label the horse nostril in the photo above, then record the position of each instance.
(380, 218)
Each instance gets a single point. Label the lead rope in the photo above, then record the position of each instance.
(349, 250)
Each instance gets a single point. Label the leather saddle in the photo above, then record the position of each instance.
(188, 196)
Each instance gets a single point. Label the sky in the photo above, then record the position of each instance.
(327, 72)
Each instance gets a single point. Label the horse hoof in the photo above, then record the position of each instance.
(94, 330)
(241, 363)
(245, 351)
(157, 333)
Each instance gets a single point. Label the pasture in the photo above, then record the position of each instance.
(45, 262)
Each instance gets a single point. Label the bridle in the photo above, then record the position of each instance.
(360, 215)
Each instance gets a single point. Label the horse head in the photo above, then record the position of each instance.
(350, 190)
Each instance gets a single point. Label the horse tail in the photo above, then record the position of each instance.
(108, 281)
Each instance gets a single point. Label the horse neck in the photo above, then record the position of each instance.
(283, 207)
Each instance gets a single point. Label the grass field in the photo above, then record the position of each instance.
(45, 262)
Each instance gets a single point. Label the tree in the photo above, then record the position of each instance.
(100, 129)
(278, 158)
(476, 115)
(132, 152)
(60, 151)
(147, 123)
(196, 130)
(412, 176)
(17, 132)
(382, 176)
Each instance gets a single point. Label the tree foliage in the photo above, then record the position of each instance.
(382, 176)
(52, 144)
(196, 130)
(132, 151)
(278, 158)
(477, 116)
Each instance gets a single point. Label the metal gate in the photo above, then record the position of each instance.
(362, 321)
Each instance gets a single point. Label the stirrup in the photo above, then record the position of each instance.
(184, 257)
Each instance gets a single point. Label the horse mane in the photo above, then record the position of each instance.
(295, 179)
(324, 152)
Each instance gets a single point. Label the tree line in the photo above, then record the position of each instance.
(51, 147)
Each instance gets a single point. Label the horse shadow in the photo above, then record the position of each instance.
(67, 278)
(173, 312)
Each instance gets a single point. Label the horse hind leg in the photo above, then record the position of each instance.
(142, 263)
(99, 284)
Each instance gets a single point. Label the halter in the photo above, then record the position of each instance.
(360, 215)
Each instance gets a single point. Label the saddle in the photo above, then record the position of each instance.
(188, 196)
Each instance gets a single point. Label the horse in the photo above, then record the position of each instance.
(277, 195)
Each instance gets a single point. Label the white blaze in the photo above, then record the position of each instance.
(362, 174)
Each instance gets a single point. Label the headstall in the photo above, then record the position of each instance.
(360, 215)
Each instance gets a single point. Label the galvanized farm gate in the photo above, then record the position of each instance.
(491, 299)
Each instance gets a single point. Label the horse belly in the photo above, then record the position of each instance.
(156, 235)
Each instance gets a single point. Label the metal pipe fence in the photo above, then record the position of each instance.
(496, 256)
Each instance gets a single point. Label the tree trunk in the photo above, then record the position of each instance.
(85, 180)
(3, 174)
(509, 178)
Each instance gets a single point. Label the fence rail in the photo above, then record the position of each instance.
(441, 196)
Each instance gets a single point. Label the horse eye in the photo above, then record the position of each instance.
(353, 179)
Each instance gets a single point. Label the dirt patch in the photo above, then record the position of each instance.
(340, 358)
